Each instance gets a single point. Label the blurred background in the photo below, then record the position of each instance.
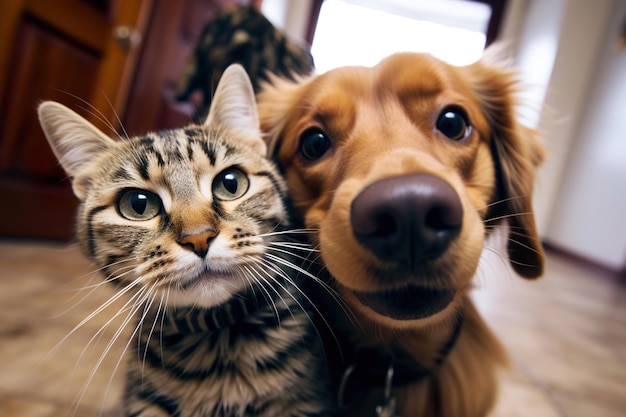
(119, 63)
(124, 59)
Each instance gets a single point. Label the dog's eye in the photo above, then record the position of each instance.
(453, 124)
(314, 144)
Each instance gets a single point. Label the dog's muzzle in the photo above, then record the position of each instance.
(405, 222)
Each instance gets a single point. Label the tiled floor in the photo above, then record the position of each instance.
(566, 335)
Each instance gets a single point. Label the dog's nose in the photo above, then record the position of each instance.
(407, 219)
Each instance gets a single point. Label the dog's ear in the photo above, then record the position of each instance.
(277, 99)
(517, 153)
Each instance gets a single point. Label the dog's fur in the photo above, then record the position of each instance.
(381, 123)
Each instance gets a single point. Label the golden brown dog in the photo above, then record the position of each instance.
(401, 171)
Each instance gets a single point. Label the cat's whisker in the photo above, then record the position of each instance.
(90, 109)
(310, 302)
(288, 232)
(117, 117)
(268, 266)
(92, 289)
(294, 246)
(93, 314)
(246, 276)
(132, 306)
(280, 249)
(151, 332)
(264, 267)
(146, 297)
(281, 273)
(269, 298)
(331, 291)
(92, 273)
(128, 306)
(167, 299)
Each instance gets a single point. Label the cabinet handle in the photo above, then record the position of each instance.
(126, 37)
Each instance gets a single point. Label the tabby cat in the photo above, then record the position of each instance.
(191, 223)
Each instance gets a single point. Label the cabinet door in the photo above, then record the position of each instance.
(79, 52)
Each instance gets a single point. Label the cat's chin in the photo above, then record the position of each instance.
(205, 291)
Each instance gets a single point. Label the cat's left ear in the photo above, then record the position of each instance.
(74, 141)
(234, 106)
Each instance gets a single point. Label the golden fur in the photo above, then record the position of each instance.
(381, 124)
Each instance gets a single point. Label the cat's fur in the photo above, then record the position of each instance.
(190, 223)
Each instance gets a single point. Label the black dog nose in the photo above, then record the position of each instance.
(407, 219)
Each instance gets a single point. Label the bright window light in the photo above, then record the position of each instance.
(362, 32)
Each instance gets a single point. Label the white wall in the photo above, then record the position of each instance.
(557, 53)
(589, 212)
(291, 16)
(575, 80)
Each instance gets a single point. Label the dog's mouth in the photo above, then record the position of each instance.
(407, 303)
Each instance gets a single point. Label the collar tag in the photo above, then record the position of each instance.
(388, 409)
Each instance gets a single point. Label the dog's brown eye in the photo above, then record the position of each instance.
(453, 124)
(314, 144)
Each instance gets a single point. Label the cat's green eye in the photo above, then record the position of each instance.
(230, 184)
(139, 205)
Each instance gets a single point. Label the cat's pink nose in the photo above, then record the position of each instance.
(198, 242)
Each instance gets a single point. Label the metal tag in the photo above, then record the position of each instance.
(388, 409)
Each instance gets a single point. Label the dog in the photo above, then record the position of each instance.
(401, 172)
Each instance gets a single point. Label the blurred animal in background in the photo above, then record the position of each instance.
(242, 35)
(401, 172)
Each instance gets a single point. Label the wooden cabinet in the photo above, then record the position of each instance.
(79, 52)
(60, 50)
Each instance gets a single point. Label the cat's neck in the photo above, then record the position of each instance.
(193, 320)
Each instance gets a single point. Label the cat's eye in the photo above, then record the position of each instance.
(453, 124)
(230, 184)
(314, 143)
(139, 205)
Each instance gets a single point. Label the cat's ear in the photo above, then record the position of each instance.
(234, 107)
(74, 141)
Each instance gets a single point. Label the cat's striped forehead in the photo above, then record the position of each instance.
(172, 156)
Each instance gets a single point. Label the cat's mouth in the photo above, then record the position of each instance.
(207, 288)
(207, 276)
(407, 303)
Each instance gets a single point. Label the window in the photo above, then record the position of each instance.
(362, 32)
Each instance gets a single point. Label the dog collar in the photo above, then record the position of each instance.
(373, 368)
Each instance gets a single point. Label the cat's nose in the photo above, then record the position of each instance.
(198, 242)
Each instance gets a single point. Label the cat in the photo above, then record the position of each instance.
(191, 223)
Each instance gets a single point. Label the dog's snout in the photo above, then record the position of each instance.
(407, 219)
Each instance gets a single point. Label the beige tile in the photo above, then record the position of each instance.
(20, 407)
(577, 366)
(29, 366)
(586, 406)
(566, 331)
(566, 334)
(522, 400)
(34, 407)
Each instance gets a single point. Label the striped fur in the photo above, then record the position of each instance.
(192, 224)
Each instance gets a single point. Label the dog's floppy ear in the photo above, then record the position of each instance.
(517, 153)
